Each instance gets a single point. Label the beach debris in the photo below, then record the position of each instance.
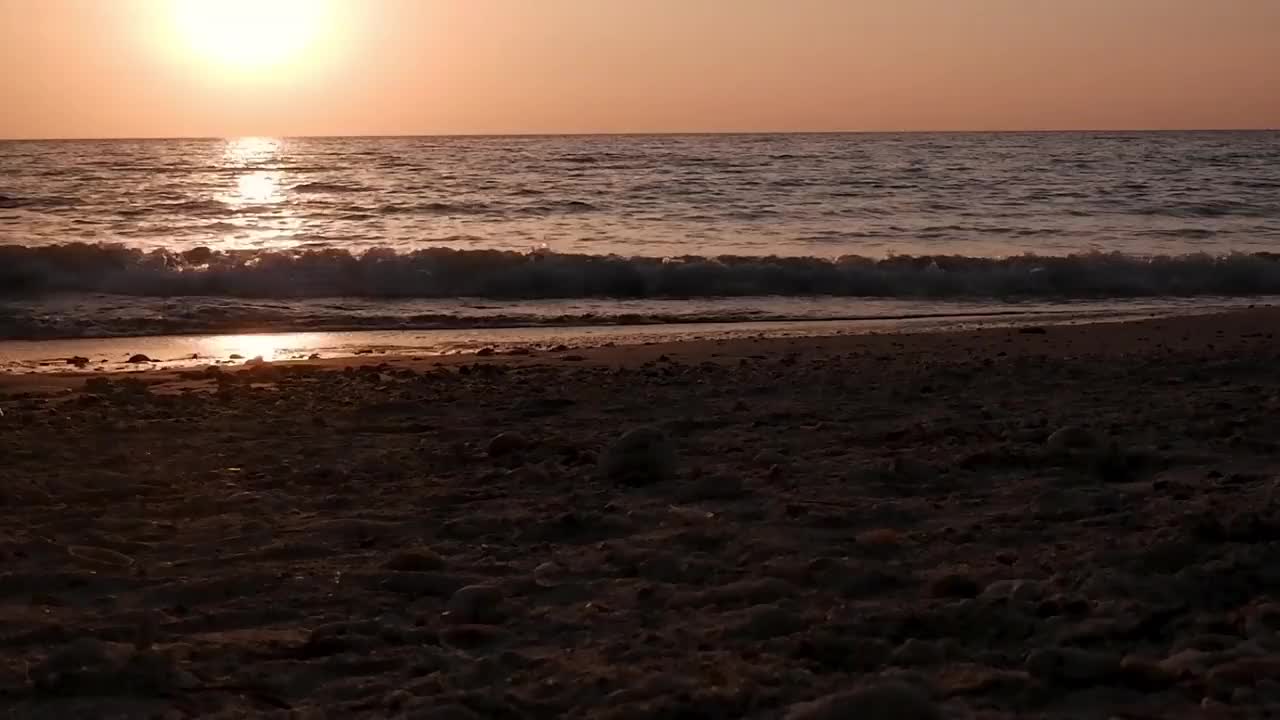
(508, 442)
(890, 701)
(641, 456)
(485, 352)
(100, 556)
(256, 361)
(139, 359)
(475, 605)
(78, 361)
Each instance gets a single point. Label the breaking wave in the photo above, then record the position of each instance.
(446, 273)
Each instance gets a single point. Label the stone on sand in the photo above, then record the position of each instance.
(476, 604)
(954, 585)
(1072, 666)
(415, 560)
(139, 359)
(506, 443)
(1070, 438)
(917, 652)
(642, 456)
(891, 701)
(1020, 592)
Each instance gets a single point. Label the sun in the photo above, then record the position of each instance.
(250, 35)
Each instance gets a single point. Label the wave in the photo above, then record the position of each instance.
(103, 320)
(12, 202)
(32, 271)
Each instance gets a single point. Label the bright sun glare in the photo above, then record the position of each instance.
(250, 35)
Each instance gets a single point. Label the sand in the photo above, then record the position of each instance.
(1051, 522)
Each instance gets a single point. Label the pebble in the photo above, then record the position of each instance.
(1069, 438)
(912, 470)
(1244, 672)
(762, 622)
(506, 443)
(1071, 666)
(139, 359)
(1142, 674)
(954, 586)
(415, 560)
(97, 384)
(917, 652)
(767, 458)
(549, 574)
(1019, 592)
(78, 361)
(475, 604)
(715, 487)
(878, 702)
(641, 456)
(471, 637)
(1189, 663)
(443, 712)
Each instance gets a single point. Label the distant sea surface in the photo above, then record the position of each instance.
(162, 237)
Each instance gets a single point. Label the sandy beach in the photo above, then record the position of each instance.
(1038, 522)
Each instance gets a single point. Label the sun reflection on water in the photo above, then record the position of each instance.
(251, 150)
(258, 199)
(248, 347)
(255, 185)
(257, 188)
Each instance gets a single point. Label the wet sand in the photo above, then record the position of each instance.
(1059, 522)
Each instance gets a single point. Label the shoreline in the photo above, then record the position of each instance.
(1034, 522)
(183, 351)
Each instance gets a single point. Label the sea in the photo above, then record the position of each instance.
(211, 249)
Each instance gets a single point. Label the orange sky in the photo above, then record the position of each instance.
(118, 68)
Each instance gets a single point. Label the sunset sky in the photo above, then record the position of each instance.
(159, 68)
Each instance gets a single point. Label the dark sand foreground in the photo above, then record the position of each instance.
(1073, 523)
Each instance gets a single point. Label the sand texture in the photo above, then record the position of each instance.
(1060, 522)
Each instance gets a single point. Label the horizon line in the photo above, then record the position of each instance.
(664, 133)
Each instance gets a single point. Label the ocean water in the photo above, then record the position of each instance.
(173, 237)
